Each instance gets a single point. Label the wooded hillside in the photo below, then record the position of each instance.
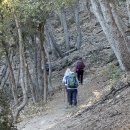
(40, 39)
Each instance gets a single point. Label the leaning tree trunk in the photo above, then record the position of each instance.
(50, 44)
(40, 35)
(3, 71)
(115, 31)
(128, 10)
(4, 78)
(120, 24)
(88, 5)
(98, 13)
(51, 38)
(77, 20)
(66, 33)
(22, 70)
(53, 41)
(12, 78)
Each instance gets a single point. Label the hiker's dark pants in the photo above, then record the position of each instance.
(72, 96)
(80, 75)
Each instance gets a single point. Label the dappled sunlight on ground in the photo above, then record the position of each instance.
(97, 94)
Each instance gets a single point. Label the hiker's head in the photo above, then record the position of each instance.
(68, 71)
(80, 58)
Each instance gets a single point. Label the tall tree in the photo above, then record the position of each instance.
(41, 42)
(22, 68)
(114, 35)
(128, 10)
(12, 77)
(51, 40)
(65, 27)
(77, 20)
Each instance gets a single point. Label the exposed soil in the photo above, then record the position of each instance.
(100, 107)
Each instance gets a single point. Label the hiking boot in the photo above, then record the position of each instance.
(68, 106)
(74, 106)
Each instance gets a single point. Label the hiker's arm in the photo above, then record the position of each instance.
(83, 64)
(66, 81)
(63, 80)
(77, 82)
(76, 67)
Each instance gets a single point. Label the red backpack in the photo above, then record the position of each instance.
(80, 65)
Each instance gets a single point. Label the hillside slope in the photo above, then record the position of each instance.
(103, 99)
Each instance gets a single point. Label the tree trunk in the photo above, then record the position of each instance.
(115, 31)
(88, 5)
(4, 78)
(77, 20)
(128, 10)
(50, 38)
(51, 45)
(50, 88)
(53, 41)
(66, 33)
(22, 70)
(117, 19)
(40, 35)
(119, 24)
(98, 13)
(35, 69)
(60, 18)
(83, 5)
(18, 77)
(3, 71)
(40, 72)
(12, 78)
(32, 85)
(5, 74)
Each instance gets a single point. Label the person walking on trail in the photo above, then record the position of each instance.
(79, 69)
(67, 72)
(64, 81)
(71, 83)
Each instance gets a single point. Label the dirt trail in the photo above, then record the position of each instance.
(57, 111)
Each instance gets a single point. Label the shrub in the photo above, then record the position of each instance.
(112, 71)
(5, 113)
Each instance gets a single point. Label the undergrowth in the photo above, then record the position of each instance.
(112, 72)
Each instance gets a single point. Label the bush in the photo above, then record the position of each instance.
(112, 71)
(5, 113)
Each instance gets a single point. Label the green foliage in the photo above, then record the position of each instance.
(5, 114)
(29, 13)
(112, 72)
(61, 3)
(111, 58)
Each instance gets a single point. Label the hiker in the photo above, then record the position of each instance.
(79, 69)
(67, 72)
(64, 81)
(71, 83)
